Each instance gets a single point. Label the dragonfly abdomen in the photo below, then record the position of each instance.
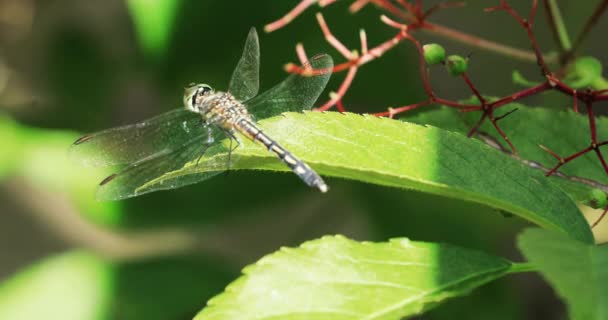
(299, 167)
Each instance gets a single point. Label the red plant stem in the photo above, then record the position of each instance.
(286, 19)
(527, 25)
(438, 29)
(474, 89)
(601, 157)
(363, 40)
(339, 106)
(410, 8)
(332, 40)
(562, 87)
(479, 42)
(593, 129)
(504, 6)
(324, 3)
(357, 5)
(592, 126)
(301, 53)
(602, 97)
(521, 94)
(354, 59)
(487, 113)
(563, 161)
(393, 111)
(502, 133)
(424, 75)
(477, 124)
(389, 7)
(341, 90)
(453, 104)
(417, 16)
(440, 6)
(434, 100)
(532, 13)
(597, 221)
(551, 152)
(539, 55)
(593, 146)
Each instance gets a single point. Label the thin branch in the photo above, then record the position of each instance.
(469, 83)
(478, 42)
(597, 221)
(492, 142)
(442, 6)
(348, 54)
(393, 111)
(417, 17)
(287, 18)
(427, 26)
(335, 97)
(558, 27)
(593, 19)
(358, 5)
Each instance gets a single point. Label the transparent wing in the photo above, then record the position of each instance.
(296, 93)
(170, 169)
(131, 143)
(245, 81)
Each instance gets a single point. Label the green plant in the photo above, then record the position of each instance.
(467, 153)
(337, 278)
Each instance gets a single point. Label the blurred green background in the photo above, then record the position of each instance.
(72, 66)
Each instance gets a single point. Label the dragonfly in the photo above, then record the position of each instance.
(159, 153)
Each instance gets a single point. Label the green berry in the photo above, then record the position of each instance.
(597, 198)
(433, 54)
(456, 65)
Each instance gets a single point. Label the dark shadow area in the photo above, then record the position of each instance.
(173, 288)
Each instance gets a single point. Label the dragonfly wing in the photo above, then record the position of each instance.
(131, 143)
(296, 93)
(245, 81)
(170, 169)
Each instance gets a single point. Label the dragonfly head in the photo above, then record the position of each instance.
(194, 94)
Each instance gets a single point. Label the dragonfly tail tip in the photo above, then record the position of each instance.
(323, 187)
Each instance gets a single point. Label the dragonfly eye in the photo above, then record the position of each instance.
(204, 90)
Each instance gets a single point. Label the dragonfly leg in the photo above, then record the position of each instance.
(231, 134)
(208, 143)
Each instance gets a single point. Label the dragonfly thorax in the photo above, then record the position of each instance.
(222, 109)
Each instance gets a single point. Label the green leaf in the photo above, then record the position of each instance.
(584, 72)
(50, 289)
(338, 278)
(577, 271)
(11, 150)
(393, 153)
(159, 288)
(519, 79)
(562, 131)
(600, 83)
(40, 157)
(153, 20)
